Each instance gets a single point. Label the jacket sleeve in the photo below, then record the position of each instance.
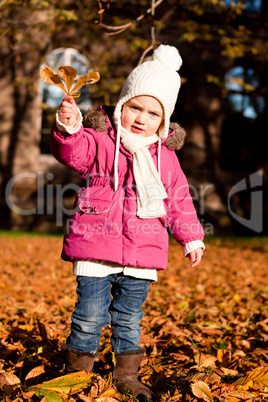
(77, 151)
(182, 216)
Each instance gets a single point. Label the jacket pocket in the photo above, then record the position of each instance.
(93, 200)
(93, 213)
(166, 221)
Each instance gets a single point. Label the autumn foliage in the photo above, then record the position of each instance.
(205, 329)
(66, 78)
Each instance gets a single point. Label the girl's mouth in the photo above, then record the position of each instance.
(137, 130)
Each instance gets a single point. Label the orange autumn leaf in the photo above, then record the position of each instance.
(68, 74)
(89, 78)
(201, 390)
(48, 76)
(259, 376)
(35, 321)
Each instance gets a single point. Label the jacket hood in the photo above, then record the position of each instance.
(102, 119)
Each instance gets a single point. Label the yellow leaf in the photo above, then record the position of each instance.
(66, 383)
(201, 390)
(237, 298)
(259, 376)
(106, 393)
(48, 76)
(89, 78)
(246, 386)
(26, 327)
(113, 358)
(3, 330)
(76, 94)
(157, 369)
(220, 355)
(68, 74)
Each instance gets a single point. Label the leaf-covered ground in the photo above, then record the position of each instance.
(205, 329)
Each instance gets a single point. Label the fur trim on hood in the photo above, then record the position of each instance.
(96, 120)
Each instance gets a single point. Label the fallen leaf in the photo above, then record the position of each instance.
(64, 384)
(201, 390)
(9, 378)
(260, 376)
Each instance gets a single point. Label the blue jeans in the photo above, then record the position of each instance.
(115, 299)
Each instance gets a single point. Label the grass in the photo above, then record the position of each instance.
(13, 233)
(208, 239)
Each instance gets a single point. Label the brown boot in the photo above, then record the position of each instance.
(126, 374)
(77, 361)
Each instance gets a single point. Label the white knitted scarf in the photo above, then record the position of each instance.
(150, 190)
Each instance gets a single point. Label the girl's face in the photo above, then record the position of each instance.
(142, 115)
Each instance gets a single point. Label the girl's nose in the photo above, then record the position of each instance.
(140, 118)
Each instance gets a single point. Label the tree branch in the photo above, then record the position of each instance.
(145, 53)
(122, 28)
(152, 34)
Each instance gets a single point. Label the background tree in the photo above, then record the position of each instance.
(116, 36)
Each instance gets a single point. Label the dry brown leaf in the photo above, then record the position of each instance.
(9, 378)
(89, 78)
(29, 395)
(201, 390)
(85, 398)
(227, 371)
(48, 76)
(68, 74)
(224, 357)
(44, 290)
(244, 395)
(208, 378)
(205, 360)
(33, 376)
(98, 387)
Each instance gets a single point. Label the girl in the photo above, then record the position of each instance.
(134, 190)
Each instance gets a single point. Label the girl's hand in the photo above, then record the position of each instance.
(195, 256)
(68, 111)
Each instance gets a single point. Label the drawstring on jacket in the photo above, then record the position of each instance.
(116, 156)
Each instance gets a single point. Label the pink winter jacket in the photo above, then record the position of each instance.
(105, 225)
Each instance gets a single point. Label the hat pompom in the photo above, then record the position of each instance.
(169, 56)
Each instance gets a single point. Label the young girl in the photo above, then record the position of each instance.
(134, 190)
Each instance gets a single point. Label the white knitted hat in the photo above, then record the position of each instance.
(157, 78)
